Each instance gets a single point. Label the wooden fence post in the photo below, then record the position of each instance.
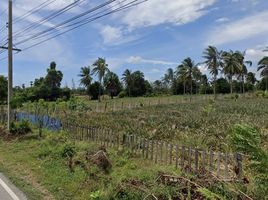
(226, 166)
(147, 148)
(190, 158)
(177, 156)
(238, 160)
(152, 150)
(182, 157)
(218, 164)
(211, 161)
(170, 154)
(156, 154)
(196, 160)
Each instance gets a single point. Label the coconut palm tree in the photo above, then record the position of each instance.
(85, 74)
(213, 62)
(181, 73)
(231, 66)
(197, 75)
(189, 65)
(263, 66)
(127, 79)
(100, 68)
(168, 77)
(243, 70)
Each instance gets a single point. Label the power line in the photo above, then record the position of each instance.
(51, 16)
(78, 22)
(67, 21)
(34, 10)
(84, 22)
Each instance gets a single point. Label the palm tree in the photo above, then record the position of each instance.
(251, 78)
(181, 73)
(189, 65)
(231, 66)
(197, 75)
(112, 83)
(85, 74)
(243, 70)
(213, 63)
(100, 68)
(127, 79)
(168, 77)
(263, 66)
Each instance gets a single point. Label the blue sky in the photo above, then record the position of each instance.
(150, 37)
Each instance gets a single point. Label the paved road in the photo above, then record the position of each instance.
(8, 191)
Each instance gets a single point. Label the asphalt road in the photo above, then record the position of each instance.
(8, 191)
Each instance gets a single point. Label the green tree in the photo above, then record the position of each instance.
(189, 65)
(128, 80)
(3, 89)
(213, 62)
(263, 67)
(112, 84)
(231, 66)
(243, 70)
(197, 76)
(85, 75)
(251, 78)
(181, 73)
(100, 69)
(53, 78)
(94, 90)
(168, 78)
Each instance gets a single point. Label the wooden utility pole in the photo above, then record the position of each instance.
(10, 65)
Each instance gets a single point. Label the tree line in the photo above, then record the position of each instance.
(228, 69)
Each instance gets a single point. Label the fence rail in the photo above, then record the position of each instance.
(227, 166)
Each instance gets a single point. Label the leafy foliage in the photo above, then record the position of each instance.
(247, 139)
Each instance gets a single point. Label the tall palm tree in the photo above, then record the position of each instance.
(213, 62)
(243, 70)
(181, 73)
(263, 66)
(127, 79)
(85, 74)
(168, 78)
(100, 68)
(197, 75)
(231, 66)
(189, 65)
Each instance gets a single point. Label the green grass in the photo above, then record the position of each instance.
(37, 167)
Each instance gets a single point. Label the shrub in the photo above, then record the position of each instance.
(20, 128)
(247, 139)
(122, 94)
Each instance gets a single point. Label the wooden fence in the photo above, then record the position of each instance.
(124, 105)
(226, 166)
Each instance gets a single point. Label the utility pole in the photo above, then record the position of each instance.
(10, 63)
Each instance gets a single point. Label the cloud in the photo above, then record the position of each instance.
(241, 29)
(139, 60)
(222, 20)
(155, 12)
(110, 34)
(256, 54)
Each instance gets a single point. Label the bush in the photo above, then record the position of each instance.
(247, 139)
(122, 94)
(20, 128)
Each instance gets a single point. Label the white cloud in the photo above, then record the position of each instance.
(241, 29)
(111, 34)
(116, 36)
(139, 60)
(222, 20)
(155, 12)
(256, 54)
